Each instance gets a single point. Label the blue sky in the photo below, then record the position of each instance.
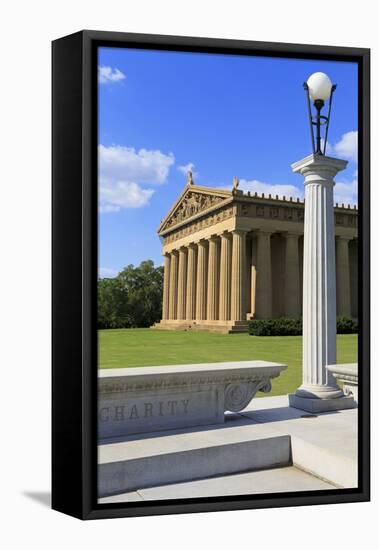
(163, 112)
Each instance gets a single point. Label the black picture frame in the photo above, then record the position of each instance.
(74, 272)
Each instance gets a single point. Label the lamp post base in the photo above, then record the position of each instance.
(318, 405)
(320, 391)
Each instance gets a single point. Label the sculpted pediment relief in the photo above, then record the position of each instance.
(192, 202)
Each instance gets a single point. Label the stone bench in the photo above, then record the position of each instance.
(347, 373)
(148, 399)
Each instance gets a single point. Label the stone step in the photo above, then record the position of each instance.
(276, 480)
(267, 434)
(222, 327)
(136, 464)
(324, 445)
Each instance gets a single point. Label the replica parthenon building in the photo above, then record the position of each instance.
(232, 256)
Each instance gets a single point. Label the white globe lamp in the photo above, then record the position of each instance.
(319, 88)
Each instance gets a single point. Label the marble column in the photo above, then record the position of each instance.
(166, 287)
(353, 258)
(319, 391)
(213, 279)
(201, 281)
(172, 308)
(292, 276)
(253, 276)
(191, 283)
(263, 293)
(182, 282)
(343, 276)
(225, 276)
(238, 286)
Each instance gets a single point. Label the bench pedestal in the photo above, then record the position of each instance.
(149, 399)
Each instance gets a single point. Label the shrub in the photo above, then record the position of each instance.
(287, 326)
(347, 325)
(283, 326)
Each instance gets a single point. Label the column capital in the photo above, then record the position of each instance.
(203, 242)
(239, 231)
(226, 236)
(344, 237)
(264, 232)
(213, 238)
(320, 166)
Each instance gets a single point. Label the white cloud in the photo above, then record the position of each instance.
(106, 272)
(122, 194)
(106, 75)
(346, 192)
(123, 170)
(346, 147)
(185, 168)
(255, 186)
(126, 164)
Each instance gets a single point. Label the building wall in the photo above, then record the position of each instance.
(244, 259)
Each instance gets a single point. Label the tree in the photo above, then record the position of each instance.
(133, 298)
(144, 286)
(112, 304)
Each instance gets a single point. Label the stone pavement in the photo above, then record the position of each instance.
(268, 447)
(325, 444)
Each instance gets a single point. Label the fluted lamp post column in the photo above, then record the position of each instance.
(319, 391)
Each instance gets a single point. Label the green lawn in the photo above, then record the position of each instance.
(146, 347)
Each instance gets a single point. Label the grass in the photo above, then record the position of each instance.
(146, 347)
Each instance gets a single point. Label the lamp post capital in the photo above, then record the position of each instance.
(319, 164)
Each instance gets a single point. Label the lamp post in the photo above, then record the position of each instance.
(319, 391)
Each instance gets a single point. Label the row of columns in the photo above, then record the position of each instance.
(208, 280)
(264, 278)
(292, 291)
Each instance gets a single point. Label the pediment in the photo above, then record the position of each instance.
(194, 201)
